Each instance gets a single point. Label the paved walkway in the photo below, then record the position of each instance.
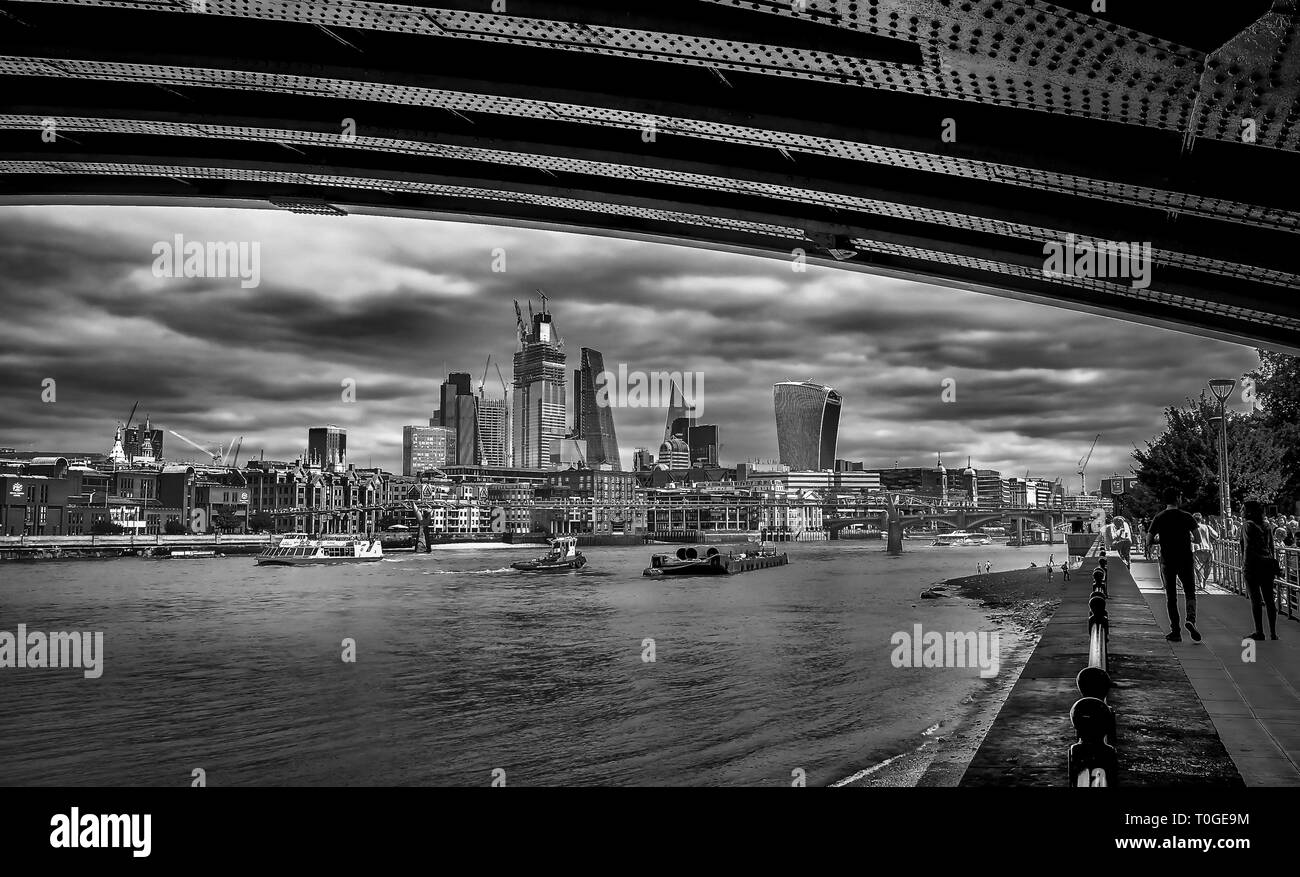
(1166, 737)
(1255, 706)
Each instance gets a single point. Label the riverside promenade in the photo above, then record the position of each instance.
(1253, 704)
(1166, 735)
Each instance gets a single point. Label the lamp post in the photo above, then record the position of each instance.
(1222, 388)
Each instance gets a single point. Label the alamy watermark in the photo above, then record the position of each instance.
(1099, 260)
(653, 389)
(182, 258)
(83, 650)
(917, 648)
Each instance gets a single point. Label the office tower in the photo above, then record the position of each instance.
(675, 453)
(680, 415)
(427, 447)
(593, 422)
(703, 441)
(327, 446)
(457, 412)
(539, 406)
(642, 459)
(807, 424)
(493, 432)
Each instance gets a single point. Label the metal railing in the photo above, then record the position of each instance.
(1092, 761)
(1228, 574)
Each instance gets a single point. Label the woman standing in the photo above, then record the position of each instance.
(1259, 567)
(1121, 538)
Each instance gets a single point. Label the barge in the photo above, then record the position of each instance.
(692, 561)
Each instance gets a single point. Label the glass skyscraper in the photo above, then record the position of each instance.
(593, 422)
(807, 424)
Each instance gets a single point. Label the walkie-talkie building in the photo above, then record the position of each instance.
(807, 424)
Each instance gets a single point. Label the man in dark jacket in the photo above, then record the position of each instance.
(1174, 530)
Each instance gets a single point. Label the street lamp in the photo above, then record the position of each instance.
(1222, 388)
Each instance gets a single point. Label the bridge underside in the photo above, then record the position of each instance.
(943, 140)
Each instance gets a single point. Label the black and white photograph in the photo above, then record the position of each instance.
(404, 398)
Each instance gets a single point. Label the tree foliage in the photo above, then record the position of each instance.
(1277, 388)
(1185, 456)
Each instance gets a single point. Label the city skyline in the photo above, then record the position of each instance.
(384, 302)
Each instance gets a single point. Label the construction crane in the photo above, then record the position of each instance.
(217, 458)
(1083, 467)
(519, 322)
(130, 416)
(555, 331)
(483, 379)
(234, 451)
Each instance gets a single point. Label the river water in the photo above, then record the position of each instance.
(465, 670)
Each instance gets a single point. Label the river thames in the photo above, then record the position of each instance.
(465, 670)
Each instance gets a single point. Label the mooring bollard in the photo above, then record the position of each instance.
(1092, 762)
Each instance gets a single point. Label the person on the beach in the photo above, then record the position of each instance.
(1174, 530)
(988, 567)
(1259, 567)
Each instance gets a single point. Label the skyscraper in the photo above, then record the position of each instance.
(493, 432)
(703, 441)
(458, 412)
(680, 415)
(593, 422)
(327, 446)
(807, 424)
(427, 447)
(642, 459)
(539, 406)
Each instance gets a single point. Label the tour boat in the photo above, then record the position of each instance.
(563, 556)
(299, 549)
(960, 537)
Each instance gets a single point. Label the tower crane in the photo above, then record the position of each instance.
(1083, 467)
(519, 322)
(217, 458)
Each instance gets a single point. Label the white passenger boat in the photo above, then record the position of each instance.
(300, 549)
(961, 537)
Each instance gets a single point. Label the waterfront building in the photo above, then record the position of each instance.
(807, 424)
(309, 498)
(538, 409)
(496, 475)
(327, 446)
(593, 422)
(427, 447)
(595, 501)
(859, 480)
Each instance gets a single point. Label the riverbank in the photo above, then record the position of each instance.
(1018, 604)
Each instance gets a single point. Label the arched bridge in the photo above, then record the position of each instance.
(958, 519)
(1005, 146)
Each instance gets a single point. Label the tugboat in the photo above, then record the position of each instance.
(300, 549)
(564, 556)
(690, 562)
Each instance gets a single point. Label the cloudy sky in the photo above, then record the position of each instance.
(395, 303)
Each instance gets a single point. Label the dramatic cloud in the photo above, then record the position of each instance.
(395, 304)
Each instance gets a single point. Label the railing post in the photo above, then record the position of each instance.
(1092, 762)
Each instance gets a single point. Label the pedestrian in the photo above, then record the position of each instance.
(1065, 571)
(1174, 530)
(1259, 568)
(1049, 572)
(1204, 555)
(988, 567)
(1121, 538)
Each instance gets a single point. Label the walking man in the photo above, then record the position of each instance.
(1174, 531)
